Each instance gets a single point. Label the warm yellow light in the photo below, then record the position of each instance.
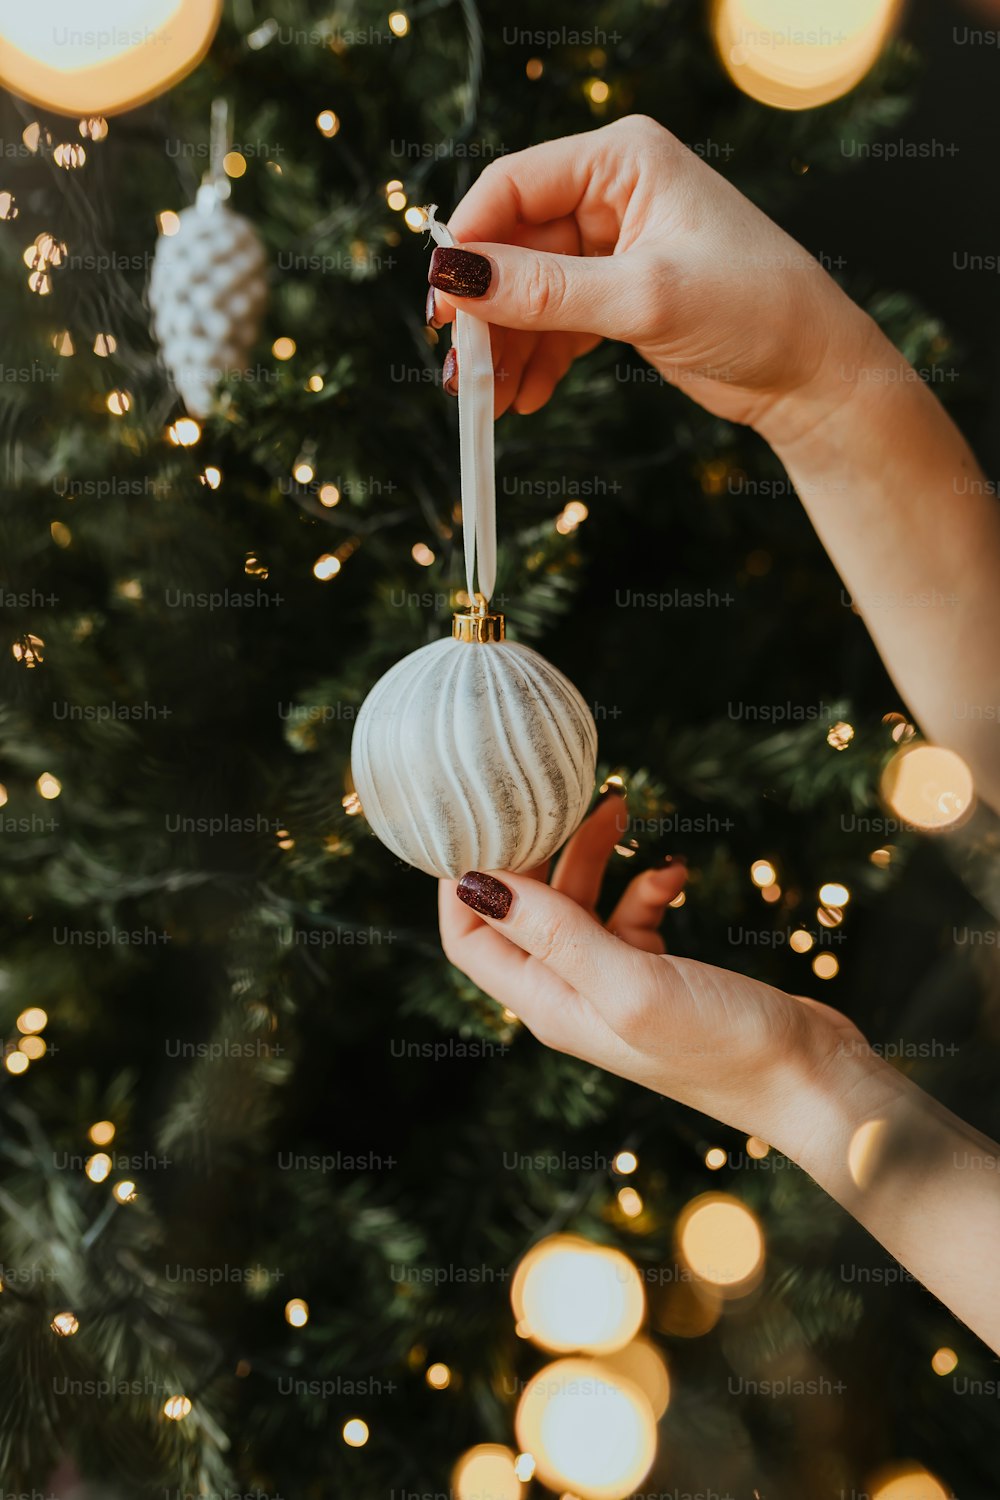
(94, 128)
(396, 201)
(168, 222)
(722, 1242)
(907, 1482)
(176, 1408)
(8, 206)
(304, 473)
(297, 1312)
(65, 1324)
(105, 344)
(438, 1377)
(355, 1433)
(283, 348)
(834, 894)
(757, 1148)
(102, 1132)
(16, 1062)
(625, 1162)
(329, 495)
(679, 900)
(589, 1430)
(771, 893)
(422, 554)
(62, 343)
(49, 786)
(399, 23)
(125, 1191)
(487, 1472)
(31, 1020)
(118, 403)
(326, 566)
(314, 383)
(351, 804)
(3, 795)
(840, 735)
(234, 164)
(630, 1202)
(791, 58)
(763, 873)
(415, 218)
(715, 1157)
(881, 858)
(598, 92)
(29, 651)
(944, 1361)
(825, 966)
(98, 1167)
(829, 916)
(40, 282)
(571, 516)
(534, 68)
(327, 123)
(48, 57)
(864, 1152)
(572, 1294)
(928, 787)
(211, 476)
(69, 155)
(801, 941)
(642, 1363)
(524, 1467)
(184, 433)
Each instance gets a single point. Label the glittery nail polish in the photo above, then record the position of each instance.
(485, 894)
(449, 372)
(464, 273)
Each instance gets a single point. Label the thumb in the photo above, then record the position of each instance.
(552, 928)
(534, 289)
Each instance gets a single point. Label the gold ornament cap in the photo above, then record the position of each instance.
(478, 623)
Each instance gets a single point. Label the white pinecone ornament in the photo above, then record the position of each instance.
(207, 292)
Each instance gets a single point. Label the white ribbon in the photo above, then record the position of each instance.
(475, 432)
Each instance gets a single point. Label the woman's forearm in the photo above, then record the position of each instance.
(924, 1183)
(902, 508)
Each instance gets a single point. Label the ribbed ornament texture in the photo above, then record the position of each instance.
(474, 756)
(207, 292)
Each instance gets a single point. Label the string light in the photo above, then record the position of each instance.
(881, 858)
(168, 222)
(329, 495)
(33, 1047)
(326, 567)
(184, 433)
(351, 804)
(254, 568)
(283, 348)
(907, 1482)
(834, 894)
(757, 1148)
(33, 136)
(597, 91)
(8, 206)
(49, 786)
(355, 1432)
(28, 651)
(944, 1361)
(94, 128)
(234, 164)
(625, 1163)
(125, 1191)
(297, 1312)
(40, 282)
(303, 471)
(399, 23)
(534, 68)
(574, 1295)
(721, 1241)
(65, 1324)
(840, 735)
(486, 1472)
(571, 516)
(438, 1377)
(901, 729)
(62, 343)
(69, 155)
(98, 1167)
(3, 795)
(422, 554)
(587, 1429)
(801, 941)
(715, 1157)
(314, 383)
(102, 1132)
(415, 218)
(829, 916)
(16, 1062)
(524, 1467)
(630, 1202)
(327, 123)
(771, 893)
(928, 787)
(825, 966)
(118, 403)
(642, 1363)
(396, 200)
(763, 873)
(176, 1408)
(105, 344)
(211, 476)
(32, 1020)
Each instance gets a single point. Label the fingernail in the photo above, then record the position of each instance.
(430, 314)
(487, 896)
(613, 789)
(449, 372)
(462, 272)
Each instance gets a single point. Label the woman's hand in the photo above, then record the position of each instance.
(606, 992)
(623, 233)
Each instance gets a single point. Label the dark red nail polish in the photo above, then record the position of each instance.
(486, 895)
(449, 372)
(464, 273)
(430, 315)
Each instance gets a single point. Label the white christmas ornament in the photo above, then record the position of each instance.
(208, 289)
(474, 753)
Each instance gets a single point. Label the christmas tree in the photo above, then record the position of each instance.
(269, 1162)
